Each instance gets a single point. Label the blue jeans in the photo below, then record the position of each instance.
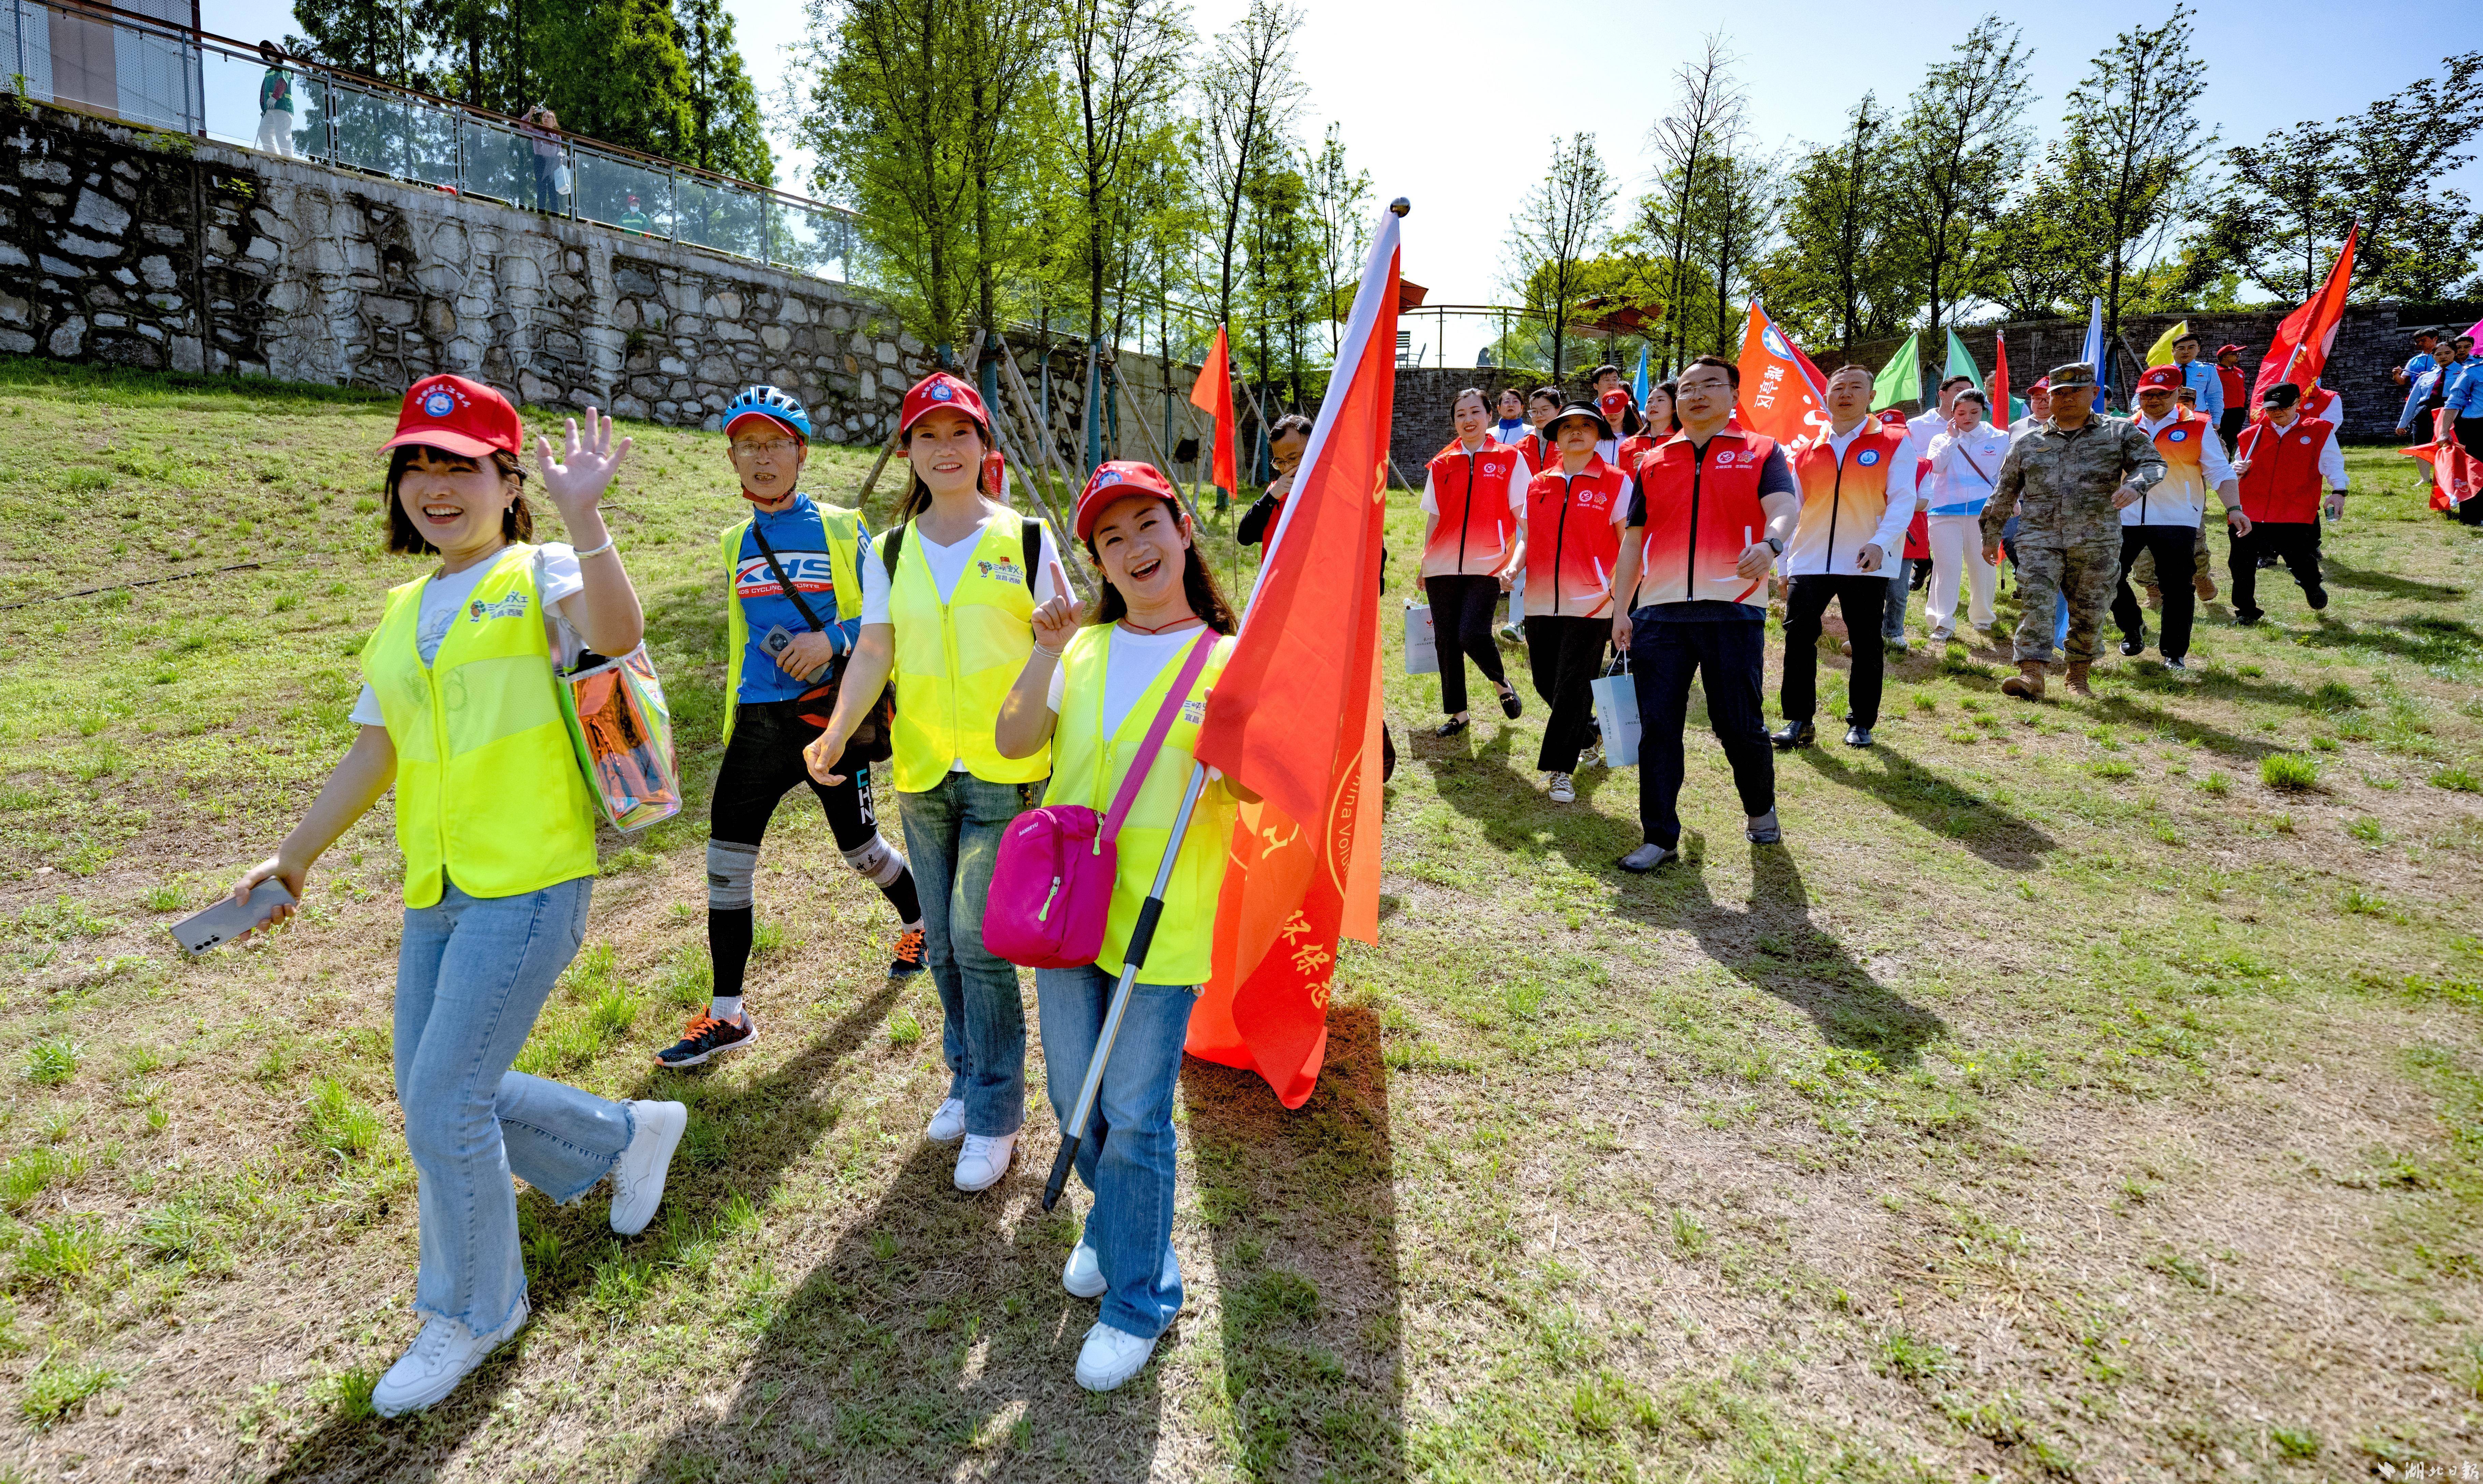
(472, 975)
(953, 838)
(1127, 1157)
(1901, 586)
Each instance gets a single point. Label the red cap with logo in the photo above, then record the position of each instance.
(1118, 480)
(2043, 385)
(1614, 403)
(940, 390)
(2159, 378)
(457, 417)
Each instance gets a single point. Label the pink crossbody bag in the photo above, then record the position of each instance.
(1051, 885)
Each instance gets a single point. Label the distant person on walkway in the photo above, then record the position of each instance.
(1965, 468)
(2165, 522)
(496, 828)
(1473, 542)
(2201, 378)
(2284, 458)
(1287, 441)
(544, 131)
(1858, 497)
(2237, 393)
(2068, 480)
(1573, 515)
(1712, 512)
(793, 615)
(1092, 691)
(275, 104)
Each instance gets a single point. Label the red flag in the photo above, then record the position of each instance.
(2299, 350)
(2456, 475)
(1998, 386)
(1213, 394)
(1782, 393)
(1295, 720)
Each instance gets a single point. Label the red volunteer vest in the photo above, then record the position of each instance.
(2282, 485)
(1701, 513)
(1842, 499)
(1475, 523)
(1631, 449)
(1572, 542)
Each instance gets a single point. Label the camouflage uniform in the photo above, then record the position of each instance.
(2060, 485)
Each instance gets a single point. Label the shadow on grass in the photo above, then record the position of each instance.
(2426, 639)
(1301, 1206)
(1773, 946)
(1995, 835)
(2336, 573)
(741, 1140)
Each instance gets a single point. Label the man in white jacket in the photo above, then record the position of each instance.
(1858, 496)
(2166, 518)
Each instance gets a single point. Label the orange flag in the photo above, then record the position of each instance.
(1213, 394)
(2298, 350)
(1781, 393)
(2456, 475)
(1295, 720)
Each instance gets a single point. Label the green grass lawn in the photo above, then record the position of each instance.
(2087, 1090)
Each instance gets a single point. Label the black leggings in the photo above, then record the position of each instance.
(1461, 611)
(761, 764)
(1566, 655)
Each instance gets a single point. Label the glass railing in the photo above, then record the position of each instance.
(152, 70)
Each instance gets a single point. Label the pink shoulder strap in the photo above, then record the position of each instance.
(1153, 743)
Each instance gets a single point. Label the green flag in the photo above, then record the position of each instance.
(1960, 362)
(1900, 379)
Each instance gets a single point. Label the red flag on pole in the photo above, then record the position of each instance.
(1998, 386)
(1782, 393)
(1295, 720)
(2299, 350)
(1213, 394)
(2456, 475)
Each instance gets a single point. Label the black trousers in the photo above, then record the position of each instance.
(1461, 611)
(1863, 600)
(2230, 426)
(2177, 561)
(761, 764)
(2470, 433)
(1566, 655)
(2296, 542)
(1729, 656)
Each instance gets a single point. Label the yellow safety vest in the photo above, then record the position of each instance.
(488, 787)
(1088, 768)
(844, 537)
(955, 661)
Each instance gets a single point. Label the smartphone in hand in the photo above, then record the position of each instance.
(228, 919)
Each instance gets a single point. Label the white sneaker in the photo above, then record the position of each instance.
(445, 1353)
(984, 1159)
(1083, 1273)
(947, 1122)
(1562, 790)
(1108, 1358)
(638, 1174)
(1942, 635)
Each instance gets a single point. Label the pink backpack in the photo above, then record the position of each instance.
(1051, 885)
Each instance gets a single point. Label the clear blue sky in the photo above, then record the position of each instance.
(1453, 103)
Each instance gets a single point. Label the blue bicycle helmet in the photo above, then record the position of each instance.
(773, 403)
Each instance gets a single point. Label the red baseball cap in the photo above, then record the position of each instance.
(1613, 402)
(939, 390)
(2043, 384)
(2165, 378)
(1118, 480)
(457, 417)
(2223, 350)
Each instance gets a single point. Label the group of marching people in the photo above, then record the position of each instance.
(1662, 533)
(1007, 693)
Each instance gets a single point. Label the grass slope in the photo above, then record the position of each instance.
(2065, 1099)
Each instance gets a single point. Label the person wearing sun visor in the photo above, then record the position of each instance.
(794, 610)
(497, 826)
(948, 597)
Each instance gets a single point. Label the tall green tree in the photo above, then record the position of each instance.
(1957, 150)
(1249, 95)
(1340, 206)
(613, 70)
(1563, 224)
(1839, 277)
(1704, 123)
(726, 133)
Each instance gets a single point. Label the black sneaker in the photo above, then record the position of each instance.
(706, 1036)
(2246, 617)
(2136, 644)
(909, 955)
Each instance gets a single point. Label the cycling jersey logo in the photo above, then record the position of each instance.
(513, 606)
(1868, 456)
(439, 402)
(1002, 571)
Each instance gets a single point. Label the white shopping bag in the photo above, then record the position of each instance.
(1421, 653)
(1616, 712)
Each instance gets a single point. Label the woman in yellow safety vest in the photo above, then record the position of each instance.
(459, 713)
(947, 593)
(1091, 694)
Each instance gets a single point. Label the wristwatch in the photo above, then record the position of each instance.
(1775, 543)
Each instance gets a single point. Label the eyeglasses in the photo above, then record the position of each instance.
(773, 448)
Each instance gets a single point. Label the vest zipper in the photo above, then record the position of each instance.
(1465, 516)
(1561, 536)
(1690, 562)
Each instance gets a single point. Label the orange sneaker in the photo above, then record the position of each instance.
(909, 955)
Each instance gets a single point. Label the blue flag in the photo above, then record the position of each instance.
(2091, 353)
(1641, 385)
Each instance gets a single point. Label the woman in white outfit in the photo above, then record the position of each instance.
(1965, 458)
